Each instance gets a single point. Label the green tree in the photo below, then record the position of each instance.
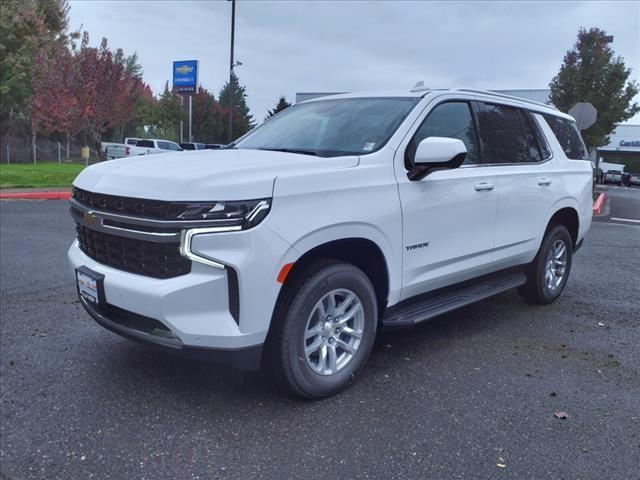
(26, 27)
(242, 120)
(167, 115)
(592, 73)
(281, 105)
(131, 66)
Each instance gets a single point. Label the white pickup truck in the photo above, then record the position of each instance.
(141, 147)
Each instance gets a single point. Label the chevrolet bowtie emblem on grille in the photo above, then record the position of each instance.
(90, 219)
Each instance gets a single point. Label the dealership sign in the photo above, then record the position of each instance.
(185, 76)
(630, 143)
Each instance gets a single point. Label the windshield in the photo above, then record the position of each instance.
(330, 128)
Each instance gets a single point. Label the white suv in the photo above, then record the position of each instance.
(339, 216)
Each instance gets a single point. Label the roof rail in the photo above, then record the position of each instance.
(502, 95)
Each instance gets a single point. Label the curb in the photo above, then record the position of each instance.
(597, 205)
(36, 196)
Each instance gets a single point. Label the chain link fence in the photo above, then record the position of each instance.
(20, 150)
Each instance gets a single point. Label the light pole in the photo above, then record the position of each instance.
(231, 65)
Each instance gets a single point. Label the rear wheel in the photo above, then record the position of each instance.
(324, 330)
(547, 275)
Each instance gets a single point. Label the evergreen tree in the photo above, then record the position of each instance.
(131, 66)
(242, 120)
(167, 115)
(281, 105)
(591, 73)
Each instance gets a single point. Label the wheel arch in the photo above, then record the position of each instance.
(361, 252)
(567, 216)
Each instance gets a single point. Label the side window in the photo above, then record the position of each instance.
(174, 147)
(568, 136)
(503, 135)
(537, 147)
(452, 120)
(145, 143)
(164, 146)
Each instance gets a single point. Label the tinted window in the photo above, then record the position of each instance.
(329, 128)
(132, 141)
(538, 148)
(451, 120)
(145, 143)
(188, 146)
(568, 136)
(507, 135)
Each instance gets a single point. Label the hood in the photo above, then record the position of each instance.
(199, 175)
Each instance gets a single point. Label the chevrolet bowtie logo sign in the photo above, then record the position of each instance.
(90, 219)
(184, 69)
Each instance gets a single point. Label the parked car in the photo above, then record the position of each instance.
(339, 217)
(145, 146)
(613, 176)
(127, 141)
(634, 179)
(213, 146)
(192, 146)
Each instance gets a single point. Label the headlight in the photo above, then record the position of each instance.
(245, 213)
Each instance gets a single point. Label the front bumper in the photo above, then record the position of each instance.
(197, 308)
(118, 321)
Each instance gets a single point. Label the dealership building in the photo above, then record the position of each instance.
(624, 142)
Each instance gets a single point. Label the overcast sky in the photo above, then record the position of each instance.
(289, 47)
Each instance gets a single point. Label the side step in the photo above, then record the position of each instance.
(432, 304)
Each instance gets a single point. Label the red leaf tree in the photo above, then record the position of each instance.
(54, 105)
(84, 91)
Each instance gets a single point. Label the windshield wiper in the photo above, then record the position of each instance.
(291, 150)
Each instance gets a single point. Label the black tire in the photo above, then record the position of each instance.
(536, 290)
(286, 343)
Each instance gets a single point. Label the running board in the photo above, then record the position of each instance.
(432, 304)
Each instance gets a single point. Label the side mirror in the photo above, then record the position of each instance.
(434, 153)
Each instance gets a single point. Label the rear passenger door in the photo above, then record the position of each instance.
(527, 183)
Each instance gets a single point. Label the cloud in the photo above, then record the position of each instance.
(287, 47)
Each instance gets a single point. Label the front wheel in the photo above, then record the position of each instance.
(547, 275)
(324, 330)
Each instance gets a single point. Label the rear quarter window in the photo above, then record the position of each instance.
(568, 136)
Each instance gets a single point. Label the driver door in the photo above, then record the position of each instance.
(448, 216)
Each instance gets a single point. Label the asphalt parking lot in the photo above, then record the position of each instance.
(621, 205)
(469, 395)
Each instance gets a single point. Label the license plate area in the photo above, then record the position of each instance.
(90, 285)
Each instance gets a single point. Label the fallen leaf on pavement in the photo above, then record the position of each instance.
(561, 415)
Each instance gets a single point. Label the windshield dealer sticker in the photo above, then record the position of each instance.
(368, 146)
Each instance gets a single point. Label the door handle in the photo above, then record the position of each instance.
(483, 186)
(544, 181)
